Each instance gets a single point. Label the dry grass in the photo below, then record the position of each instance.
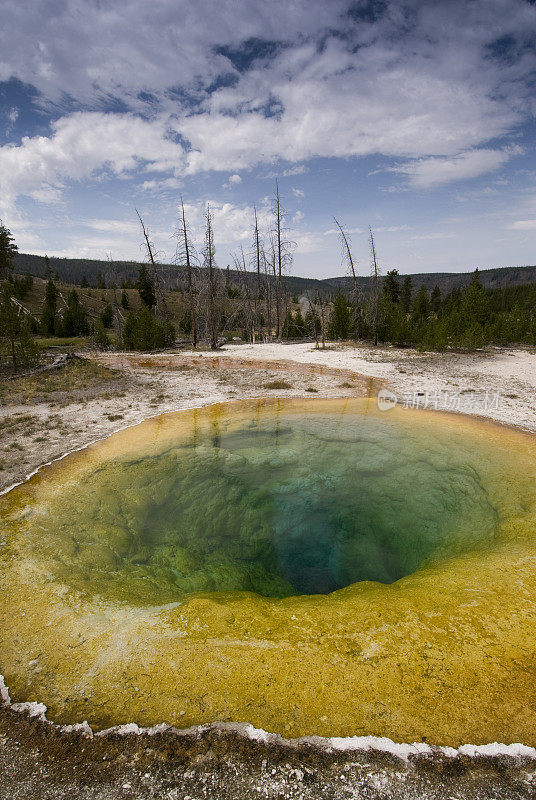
(277, 385)
(76, 376)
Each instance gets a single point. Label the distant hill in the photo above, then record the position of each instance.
(490, 278)
(71, 271)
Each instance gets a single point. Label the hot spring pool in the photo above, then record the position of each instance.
(306, 566)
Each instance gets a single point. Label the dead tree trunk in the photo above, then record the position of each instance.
(345, 241)
(268, 295)
(279, 258)
(210, 265)
(161, 305)
(258, 304)
(188, 259)
(376, 299)
(248, 305)
(315, 318)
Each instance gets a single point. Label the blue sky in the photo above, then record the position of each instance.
(413, 116)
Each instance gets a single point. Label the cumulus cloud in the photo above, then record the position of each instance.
(92, 51)
(81, 146)
(233, 224)
(233, 180)
(179, 88)
(413, 83)
(426, 172)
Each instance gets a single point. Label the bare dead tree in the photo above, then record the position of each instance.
(314, 316)
(275, 294)
(322, 305)
(118, 313)
(212, 276)
(185, 255)
(268, 294)
(350, 262)
(376, 286)
(258, 254)
(318, 306)
(161, 305)
(283, 252)
(248, 308)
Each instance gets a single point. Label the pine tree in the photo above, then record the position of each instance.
(299, 324)
(142, 331)
(145, 287)
(14, 330)
(435, 299)
(406, 295)
(8, 248)
(475, 304)
(287, 330)
(421, 305)
(340, 320)
(74, 319)
(391, 286)
(107, 316)
(49, 320)
(100, 337)
(124, 300)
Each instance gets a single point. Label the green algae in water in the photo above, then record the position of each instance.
(280, 496)
(279, 507)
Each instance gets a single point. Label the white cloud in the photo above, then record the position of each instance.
(415, 84)
(350, 231)
(233, 181)
(81, 146)
(426, 172)
(432, 236)
(298, 216)
(233, 224)
(299, 169)
(93, 51)
(418, 86)
(523, 225)
(389, 228)
(298, 193)
(113, 225)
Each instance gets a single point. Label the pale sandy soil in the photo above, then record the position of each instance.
(511, 373)
(38, 428)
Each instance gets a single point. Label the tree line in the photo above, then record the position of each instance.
(254, 303)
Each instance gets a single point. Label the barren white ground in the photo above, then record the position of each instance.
(510, 373)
